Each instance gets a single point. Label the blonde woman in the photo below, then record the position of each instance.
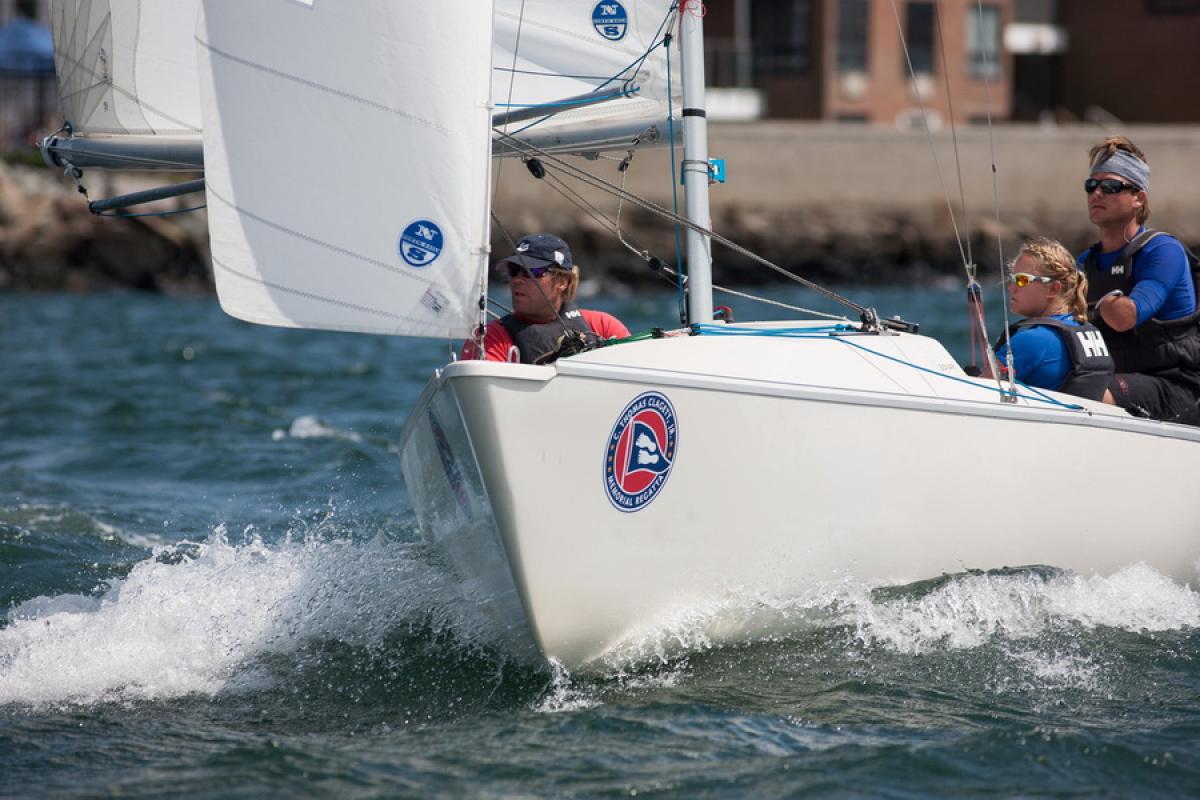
(1054, 346)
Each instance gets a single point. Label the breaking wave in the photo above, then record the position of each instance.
(199, 618)
(223, 617)
(958, 612)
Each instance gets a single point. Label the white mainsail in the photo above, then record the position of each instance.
(346, 151)
(127, 67)
(547, 51)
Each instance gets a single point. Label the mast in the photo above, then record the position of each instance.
(695, 162)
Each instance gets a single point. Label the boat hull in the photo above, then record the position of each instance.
(779, 486)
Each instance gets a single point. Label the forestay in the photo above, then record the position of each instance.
(568, 49)
(346, 150)
(127, 67)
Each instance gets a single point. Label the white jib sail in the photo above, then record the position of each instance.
(564, 49)
(127, 67)
(346, 151)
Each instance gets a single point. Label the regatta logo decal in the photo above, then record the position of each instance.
(641, 450)
(421, 243)
(610, 21)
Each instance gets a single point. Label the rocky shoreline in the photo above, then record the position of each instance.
(837, 204)
(50, 242)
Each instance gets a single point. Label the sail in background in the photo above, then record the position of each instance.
(127, 67)
(347, 154)
(567, 49)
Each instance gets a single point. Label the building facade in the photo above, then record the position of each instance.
(845, 59)
(1110, 61)
(1133, 60)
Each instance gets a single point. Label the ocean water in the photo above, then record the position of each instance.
(212, 584)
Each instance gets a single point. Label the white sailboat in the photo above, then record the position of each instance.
(347, 151)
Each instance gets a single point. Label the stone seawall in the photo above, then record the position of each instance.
(836, 202)
(857, 203)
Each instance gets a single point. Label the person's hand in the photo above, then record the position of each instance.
(1120, 314)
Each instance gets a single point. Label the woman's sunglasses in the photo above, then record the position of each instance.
(1023, 279)
(1108, 185)
(535, 272)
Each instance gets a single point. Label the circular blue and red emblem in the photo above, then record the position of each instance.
(641, 450)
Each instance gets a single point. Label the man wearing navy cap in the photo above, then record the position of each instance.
(545, 321)
(1143, 287)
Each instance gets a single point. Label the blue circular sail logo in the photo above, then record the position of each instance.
(421, 243)
(641, 452)
(610, 20)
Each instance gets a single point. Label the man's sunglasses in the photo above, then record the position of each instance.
(535, 272)
(1023, 279)
(1108, 185)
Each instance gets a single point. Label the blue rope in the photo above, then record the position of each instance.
(793, 333)
(830, 332)
(623, 93)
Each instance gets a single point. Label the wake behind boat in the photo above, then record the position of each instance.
(584, 501)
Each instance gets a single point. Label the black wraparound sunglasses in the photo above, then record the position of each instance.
(1108, 186)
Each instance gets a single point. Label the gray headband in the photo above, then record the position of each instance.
(1128, 166)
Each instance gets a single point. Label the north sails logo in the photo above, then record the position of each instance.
(421, 243)
(610, 20)
(641, 452)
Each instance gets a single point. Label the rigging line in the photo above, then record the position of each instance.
(987, 89)
(599, 183)
(679, 276)
(545, 74)
(1037, 395)
(483, 279)
(634, 65)
(624, 168)
(590, 100)
(656, 40)
(557, 184)
(962, 195)
(769, 302)
(928, 131)
(512, 79)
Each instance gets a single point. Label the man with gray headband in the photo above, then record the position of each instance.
(1142, 288)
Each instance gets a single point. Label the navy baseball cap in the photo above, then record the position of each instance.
(541, 250)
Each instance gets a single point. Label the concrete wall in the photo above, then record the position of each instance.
(817, 192)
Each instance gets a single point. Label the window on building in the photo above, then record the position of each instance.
(852, 36)
(1044, 12)
(919, 32)
(781, 33)
(983, 42)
